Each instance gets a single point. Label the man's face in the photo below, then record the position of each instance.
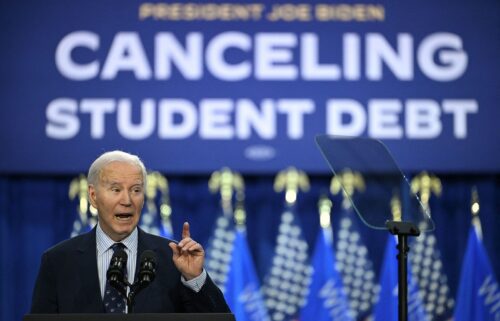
(118, 198)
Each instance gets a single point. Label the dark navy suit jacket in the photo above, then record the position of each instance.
(68, 281)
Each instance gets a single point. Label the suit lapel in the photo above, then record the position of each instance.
(88, 274)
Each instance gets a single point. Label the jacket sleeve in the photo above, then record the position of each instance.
(208, 300)
(45, 295)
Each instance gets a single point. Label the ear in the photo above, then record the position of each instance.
(93, 196)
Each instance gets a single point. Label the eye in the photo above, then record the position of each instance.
(115, 189)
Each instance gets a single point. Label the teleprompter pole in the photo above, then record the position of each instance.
(402, 230)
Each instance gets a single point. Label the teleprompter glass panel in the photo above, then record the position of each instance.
(383, 178)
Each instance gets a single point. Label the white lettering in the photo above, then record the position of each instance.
(378, 50)
(310, 67)
(67, 66)
(168, 128)
(248, 116)
(295, 109)
(215, 119)
(168, 52)
(454, 60)
(233, 56)
(384, 119)
(490, 291)
(338, 108)
(147, 124)
(215, 56)
(273, 56)
(97, 108)
(252, 301)
(335, 301)
(460, 108)
(422, 119)
(62, 120)
(351, 56)
(126, 54)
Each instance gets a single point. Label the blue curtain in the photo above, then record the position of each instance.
(36, 213)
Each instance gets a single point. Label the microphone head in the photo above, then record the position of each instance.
(117, 266)
(148, 255)
(147, 270)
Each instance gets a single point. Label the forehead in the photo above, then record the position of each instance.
(121, 172)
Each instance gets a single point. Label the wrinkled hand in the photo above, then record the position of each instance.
(188, 255)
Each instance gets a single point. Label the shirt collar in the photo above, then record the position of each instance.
(104, 242)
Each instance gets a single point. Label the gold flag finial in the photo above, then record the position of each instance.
(325, 209)
(474, 205)
(424, 185)
(78, 188)
(226, 182)
(348, 182)
(239, 211)
(474, 208)
(158, 183)
(396, 208)
(291, 180)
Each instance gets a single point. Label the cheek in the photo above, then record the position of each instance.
(107, 205)
(139, 201)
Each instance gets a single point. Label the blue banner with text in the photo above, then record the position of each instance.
(192, 87)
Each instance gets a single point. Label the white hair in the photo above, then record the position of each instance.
(114, 156)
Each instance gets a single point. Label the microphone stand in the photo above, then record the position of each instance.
(402, 230)
(122, 288)
(131, 299)
(134, 290)
(146, 275)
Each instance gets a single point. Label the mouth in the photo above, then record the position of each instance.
(123, 217)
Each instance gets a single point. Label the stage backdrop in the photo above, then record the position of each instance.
(194, 86)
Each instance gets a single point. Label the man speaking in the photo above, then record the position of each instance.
(73, 276)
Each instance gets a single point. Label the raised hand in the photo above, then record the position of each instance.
(188, 255)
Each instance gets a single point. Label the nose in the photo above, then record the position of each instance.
(126, 200)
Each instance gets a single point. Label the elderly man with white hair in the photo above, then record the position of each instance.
(72, 276)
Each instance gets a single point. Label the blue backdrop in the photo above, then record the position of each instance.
(246, 84)
(194, 87)
(36, 213)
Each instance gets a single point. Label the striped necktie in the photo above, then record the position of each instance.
(114, 301)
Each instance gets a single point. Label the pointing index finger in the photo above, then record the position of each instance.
(185, 230)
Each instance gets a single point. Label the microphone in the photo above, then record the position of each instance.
(147, 269)
(146, 275)
(116, 270)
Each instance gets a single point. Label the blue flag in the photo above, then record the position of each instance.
(80, 226)
(231, 267)
(220, 248)
(153, 223)
(386, 308)
(86, 217)
(242, 289)
(428, 271)
(478, 295)
(327, 299)
(156, 219)
(285, 287)
(354, 263)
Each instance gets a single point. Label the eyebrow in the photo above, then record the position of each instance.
(115, 183)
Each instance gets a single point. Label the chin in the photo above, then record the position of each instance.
(124, 231)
